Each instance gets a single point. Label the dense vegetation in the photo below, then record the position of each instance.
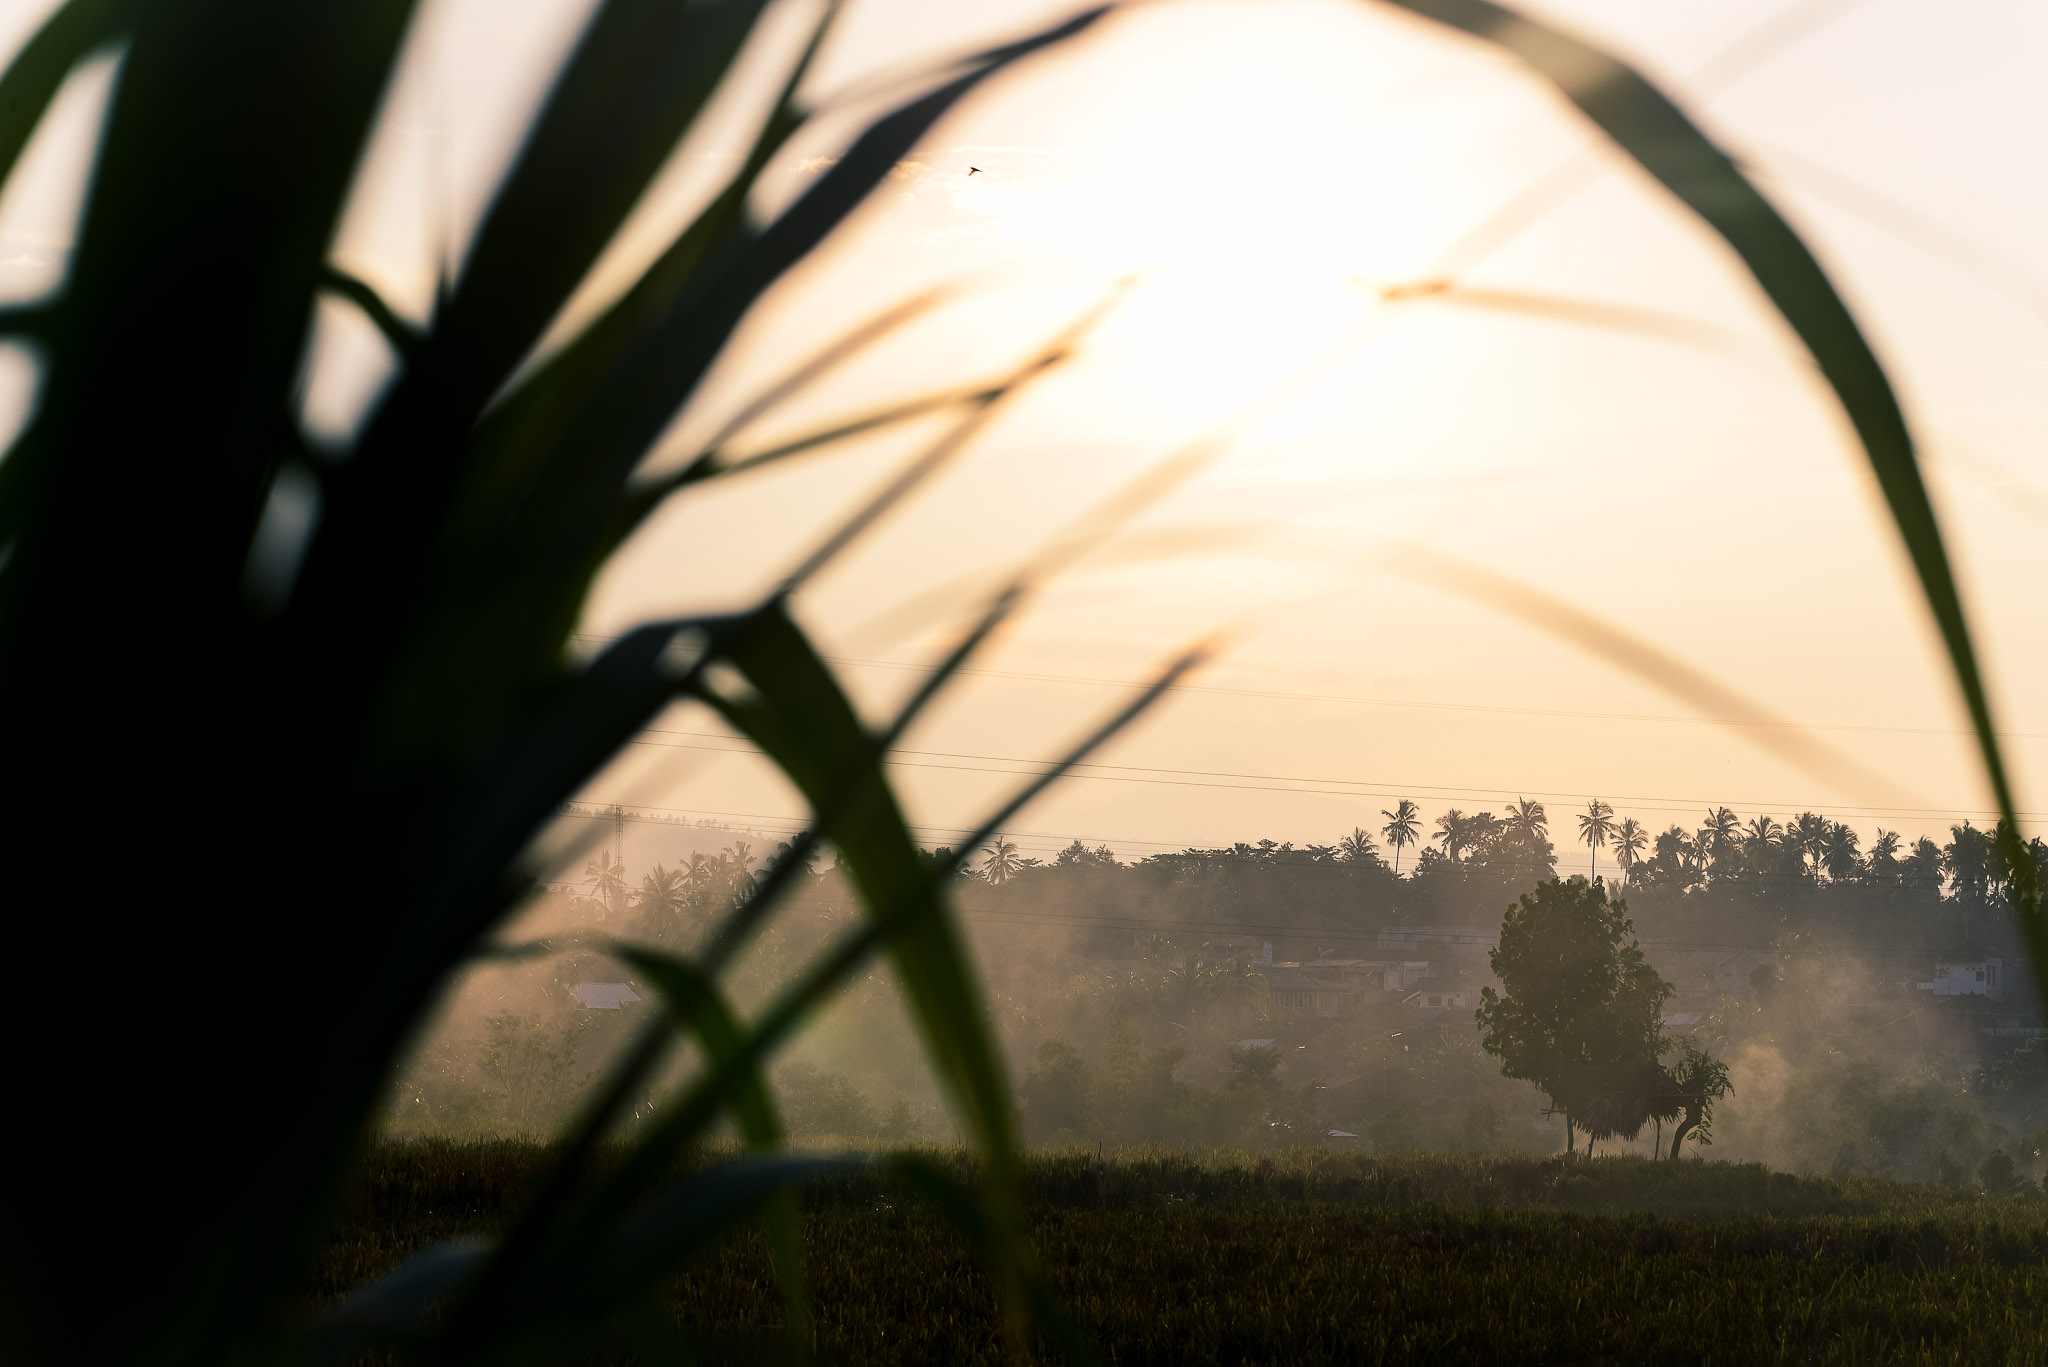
(1130, 1033)
(1306, 1257)
(1729, 880)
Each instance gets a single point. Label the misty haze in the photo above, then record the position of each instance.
(841, 681)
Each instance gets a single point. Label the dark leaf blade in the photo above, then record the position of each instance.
(634, 375)
(403, 337)
(685, 1119)
(637, 81)
(589, 719)
(700, 1008)
(803, 721)
(733, 932)
(1657, 134)
(697, 1211)
(956, 1202)
(33, 78)
(396, 1303)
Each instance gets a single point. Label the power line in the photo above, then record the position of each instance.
(1256, 782)
(1419, 704)
(1439, 706)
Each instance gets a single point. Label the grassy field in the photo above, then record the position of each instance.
(1315, 1257)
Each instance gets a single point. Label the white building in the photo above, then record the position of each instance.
(1970, 978)
(604, 996)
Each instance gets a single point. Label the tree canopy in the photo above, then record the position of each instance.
(1580, 1004)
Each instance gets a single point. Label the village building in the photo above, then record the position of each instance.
(1733, 976)
(604, 996)
(1459, 944)
(1443, 995)
(1971, 977)
(1327, 988)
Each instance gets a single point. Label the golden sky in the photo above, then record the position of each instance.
(1603, 410)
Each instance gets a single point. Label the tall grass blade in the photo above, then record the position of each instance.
(32, 79)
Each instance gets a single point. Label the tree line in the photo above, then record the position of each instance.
(1754, 880)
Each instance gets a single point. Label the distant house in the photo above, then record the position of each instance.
(1731, 975)
(1294, 993)
(1234, 946)
(1338, 987)
(1682, 1022)
(1446, 996)
(1987, 977)
(604, 996)
(1463, 943)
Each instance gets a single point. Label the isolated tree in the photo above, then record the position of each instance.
(1698, 1080)
(1001, 864)
(1596, 823)
(1404, 823)
(1629, 839)
(1576, 993)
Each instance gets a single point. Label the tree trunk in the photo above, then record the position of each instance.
(1568, 1133)
(1685, 1127)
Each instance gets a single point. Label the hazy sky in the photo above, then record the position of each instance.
(1264, 171)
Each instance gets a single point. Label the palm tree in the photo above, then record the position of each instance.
(1451, 828)
(664, 894)
(1529, 818)
(1843, 861)
(740, 857)
(1404, 823)
(1356, 848)
(1808, 833)
(784, 849)
(1883, 861)
(1720, 834)
(1629, 840)
(605, 876)
(1596, 823)
(1001, 864)
(1758, 836)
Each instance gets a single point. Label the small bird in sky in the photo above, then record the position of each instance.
(973, 170)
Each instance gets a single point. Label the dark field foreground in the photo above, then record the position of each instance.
(1315, 1257)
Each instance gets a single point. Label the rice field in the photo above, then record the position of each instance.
(1318, 1257)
